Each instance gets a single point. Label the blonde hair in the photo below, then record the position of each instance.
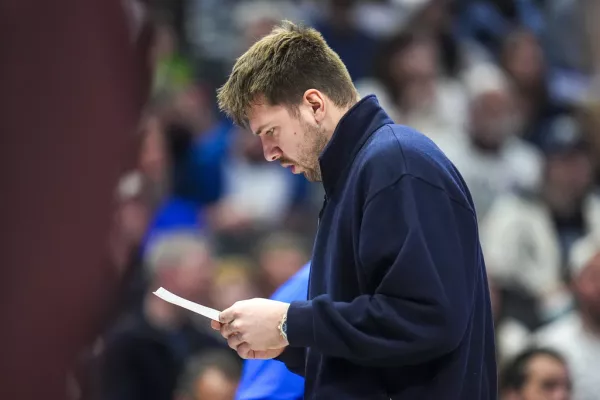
(280, 67)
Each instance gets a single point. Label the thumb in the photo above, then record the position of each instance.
(227, 315)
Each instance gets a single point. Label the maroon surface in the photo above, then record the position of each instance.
(72, 84)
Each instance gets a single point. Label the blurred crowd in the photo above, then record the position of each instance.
(504, 87)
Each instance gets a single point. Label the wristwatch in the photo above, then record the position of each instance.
(283, 327)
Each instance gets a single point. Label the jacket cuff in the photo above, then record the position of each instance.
(300, 326)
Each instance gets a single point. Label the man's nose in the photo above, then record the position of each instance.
(271, 152)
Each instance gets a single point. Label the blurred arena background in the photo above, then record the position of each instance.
(109, 125)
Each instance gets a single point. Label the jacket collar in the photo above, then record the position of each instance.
(351, 133)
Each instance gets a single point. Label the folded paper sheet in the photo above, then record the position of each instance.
(189, 305)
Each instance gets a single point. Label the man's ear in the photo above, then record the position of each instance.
(316, 101)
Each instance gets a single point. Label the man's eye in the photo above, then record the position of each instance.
(269, 132)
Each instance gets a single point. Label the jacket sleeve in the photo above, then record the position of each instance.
(294, 359)
(419, 250)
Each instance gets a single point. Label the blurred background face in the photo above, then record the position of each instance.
(570, 173)
(193, 276)
(493, 119)
(523, 59)
(546, 379)
(414, 69)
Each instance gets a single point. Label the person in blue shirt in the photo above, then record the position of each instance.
(269, 379)
(398, 302)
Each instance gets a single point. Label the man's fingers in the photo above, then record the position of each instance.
(229, 329)
(215, 325)
(234, 341)
(228, 315)
(245, 352)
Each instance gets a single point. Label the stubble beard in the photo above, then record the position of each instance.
(317, 140)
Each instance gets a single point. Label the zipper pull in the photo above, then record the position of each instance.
(325, 199)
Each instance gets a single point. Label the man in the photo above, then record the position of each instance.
(536, 374)
(527, 236)
(268, 379)
(576, 335)
(492, 158)
(147, 351)
(398, 300)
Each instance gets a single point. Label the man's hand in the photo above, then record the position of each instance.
(244, 352)
(251, 327)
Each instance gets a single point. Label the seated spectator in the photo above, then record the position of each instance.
(577, 335)
(536, 374)
(412, 86)
(436, 17)
(493, 159)
(270, 379)
(210, 376)
(526, 237)
(523, 59)
(146, 351)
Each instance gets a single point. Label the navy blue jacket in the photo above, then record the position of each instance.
(399, 304)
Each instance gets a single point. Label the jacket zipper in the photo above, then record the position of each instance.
(325, 199)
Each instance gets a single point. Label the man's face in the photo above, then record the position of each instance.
(547, 379)
(295, 140)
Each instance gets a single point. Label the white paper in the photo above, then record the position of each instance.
(189, 305)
